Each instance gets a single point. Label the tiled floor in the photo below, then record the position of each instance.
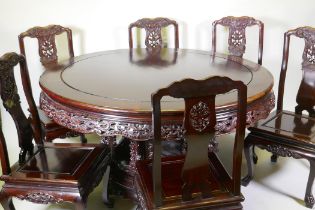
(276, 186)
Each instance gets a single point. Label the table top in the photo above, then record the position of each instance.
(121, 81)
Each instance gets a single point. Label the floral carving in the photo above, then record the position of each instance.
(237, 37)
(308, 34)
(9, 93)
(282, 151)
(46, 41)
(153, 27)
(310, 54)
(309, 200)
(199, 116)
(86, 122)
(39, 197)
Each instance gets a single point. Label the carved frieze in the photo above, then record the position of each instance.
(86, 122)
(40, 197)
(282, 151)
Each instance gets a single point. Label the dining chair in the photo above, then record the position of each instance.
(197, 179)
(46, 173)
(286, 133)
(237, 37)
(153, 27)
(48, 54)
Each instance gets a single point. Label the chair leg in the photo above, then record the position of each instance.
(255, 157)
(105, 195)
(274, 158)
(248, 151)
(7, 203)
(309, 198)
(83, 139)
(80, 205)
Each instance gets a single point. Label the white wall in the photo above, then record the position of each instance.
(102, 25)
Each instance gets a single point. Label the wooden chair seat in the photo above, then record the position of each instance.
(56, 170)
(171, 169)
(298, 129)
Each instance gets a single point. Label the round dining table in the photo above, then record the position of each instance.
(109, 93)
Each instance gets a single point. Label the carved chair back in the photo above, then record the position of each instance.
(199, 128)
(153, 38)
(306, 94)
(11, 102)
(46, 41)
(237, 36)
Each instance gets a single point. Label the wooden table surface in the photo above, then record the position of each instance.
(110, 92)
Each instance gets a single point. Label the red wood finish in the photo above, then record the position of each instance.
(285, 133)
(97, 105)
(51, 173)
(114, 98)
(153, 39)
(48, 54)
(193, 182)
(237, 36)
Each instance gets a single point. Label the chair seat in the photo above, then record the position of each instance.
(298, 129)
(171, 185)
(63, 165)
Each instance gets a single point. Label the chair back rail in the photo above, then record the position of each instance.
(46, 41)
(237, 35)
(153, 38)
(199, 121)
(306, 93)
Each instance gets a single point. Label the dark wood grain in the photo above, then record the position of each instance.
(237, 36)
(114, 98)
(51, 173)
(152, 27)
(285, 133)
(193, 174)
(48, 54)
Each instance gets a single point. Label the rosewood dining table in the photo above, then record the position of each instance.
(109, 93)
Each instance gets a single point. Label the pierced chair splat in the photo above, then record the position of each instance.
(237, 37)
(47, 50)
(196, 179)
(153, 38)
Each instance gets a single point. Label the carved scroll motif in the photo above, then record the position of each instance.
(308, 34)
(85, 122)
(9, 93)
(40, 197)
(282, 151)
